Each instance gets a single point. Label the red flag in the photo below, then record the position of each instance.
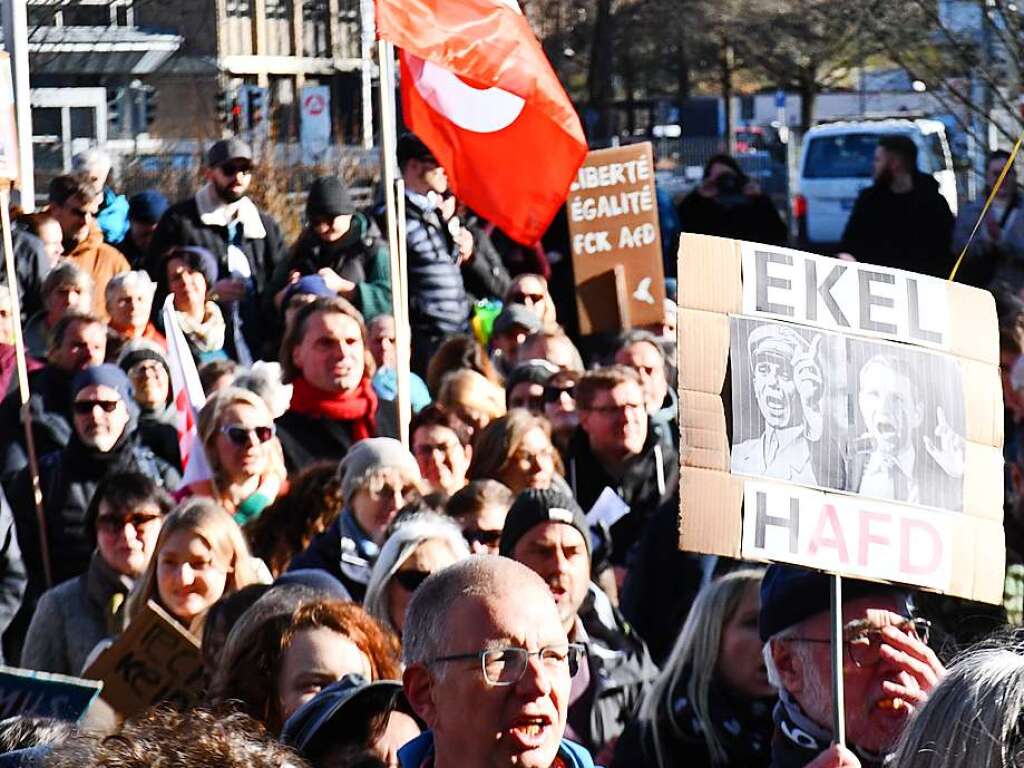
(479, 91)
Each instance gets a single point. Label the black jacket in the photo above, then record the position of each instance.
(13, 578)
(648, 481)
(50, 409)
(753, 218)
(31, 265)
(305, 438)
(181, 225)
(911, 231)
(485, 275)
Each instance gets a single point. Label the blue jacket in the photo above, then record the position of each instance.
(113, 216)
(415, 752)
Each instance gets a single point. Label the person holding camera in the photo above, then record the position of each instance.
(727, 203)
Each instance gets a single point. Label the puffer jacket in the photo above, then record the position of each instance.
(50, 409)
(31, 266)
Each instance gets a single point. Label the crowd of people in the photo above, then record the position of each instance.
(508, 590)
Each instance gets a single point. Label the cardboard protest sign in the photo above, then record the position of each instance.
(8, 123)
(153, 661)
(41, 694)
(840, 416)
(616, 243)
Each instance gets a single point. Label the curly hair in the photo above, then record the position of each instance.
(287, 526)
(255, 651)
(166, 737)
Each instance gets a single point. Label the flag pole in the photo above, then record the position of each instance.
(837, 646)
(19, 353)
(396, 240)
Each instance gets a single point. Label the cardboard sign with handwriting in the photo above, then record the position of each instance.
(153, 661)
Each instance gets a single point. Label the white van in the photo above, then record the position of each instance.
(836, 164)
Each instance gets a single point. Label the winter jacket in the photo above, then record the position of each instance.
(73, 617)
(31, 266)
(102, 262)
(753, 218)
(438, 304)
(306, 438)
(50, 409)
(619, 672)
(417, 751)
(484, 275)
(360, 256)
(113, 216)
(13, 579)
(344, 551)
(136, 256)
(989, 262)
(909, 231)
(648, 480)
(202, 221)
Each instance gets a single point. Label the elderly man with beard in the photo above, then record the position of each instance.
(787, 384)
(546, 531)
(888, 668)
(489, 670)
(246, 242)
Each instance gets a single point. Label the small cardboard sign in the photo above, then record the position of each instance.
(42, 694)
(8, 123)
(840, 416)
(615, 240)
(153, 661)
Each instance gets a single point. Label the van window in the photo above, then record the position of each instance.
(937, 150)
(843, 156)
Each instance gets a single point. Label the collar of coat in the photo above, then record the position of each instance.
(214, 212)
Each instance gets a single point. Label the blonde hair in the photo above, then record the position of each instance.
(209, 428)
(466, 386)
(206, 519)
(696, 652)
(547, 314)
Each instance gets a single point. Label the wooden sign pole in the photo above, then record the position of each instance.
(838, 644)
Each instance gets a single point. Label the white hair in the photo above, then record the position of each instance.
(125, 281)
(402, 542)
(96, 162)
(264, 379)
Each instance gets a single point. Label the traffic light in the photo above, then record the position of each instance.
(115, 119)
(148, 97)
(225, 106)
(257, 105)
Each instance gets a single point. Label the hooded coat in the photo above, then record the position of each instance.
(102, 262)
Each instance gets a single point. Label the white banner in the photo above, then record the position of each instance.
(315, 123)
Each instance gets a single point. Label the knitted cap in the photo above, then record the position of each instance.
(535, 506)
(328, 197)
(372, 455)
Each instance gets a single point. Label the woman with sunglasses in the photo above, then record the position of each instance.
(239, 438)
(531, 291)
(200, 557)
(124, 520)
(418, 546)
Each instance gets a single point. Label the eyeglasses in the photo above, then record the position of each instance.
(529, 299)
(410, 580)
(506, 666)
(242, 436)
(232, 169)
(114, 524)
(863, 642)
(486, 538)
(149, 368)
(554, 394)
(84, 407)
(391, 490)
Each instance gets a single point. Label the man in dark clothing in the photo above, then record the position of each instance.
(888, 670)
(341, 245)
(901, 220)
(246, 242)
(438, 304)
(78, 342)
(144, 213)
(31, 265)
(13, 579)
(728, 204)
(618, 447)
(546, 531)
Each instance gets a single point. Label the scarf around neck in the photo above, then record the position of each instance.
(798, 739)
(208, 334)
(358, 407)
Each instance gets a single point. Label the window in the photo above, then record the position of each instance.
(277, 10)
(79, 15)
(238, 9)
(41, 16)
(315, 29)
(844, 156)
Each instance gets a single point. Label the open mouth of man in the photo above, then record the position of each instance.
(775, 403)
(530, 732)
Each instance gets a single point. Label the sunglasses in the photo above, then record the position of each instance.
(232, 169)
(526, 298)
(84, 407)
(486, 538)
(113, 524)
(554, 394)
(410, 580)
(242, 436)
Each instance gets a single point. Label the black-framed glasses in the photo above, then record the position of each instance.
(84, 407)
(242, 436)
(526, 299)
(114, 523)
(506, 666)
(863, 641)
(485, 538)
(410, 580)
(554, 394)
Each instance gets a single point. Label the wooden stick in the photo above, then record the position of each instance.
(838, 644)
(19, 349)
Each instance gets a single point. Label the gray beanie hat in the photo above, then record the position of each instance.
(372, 455)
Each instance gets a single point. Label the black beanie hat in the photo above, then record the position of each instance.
(328, 197)
(535, 506)
(790, 594)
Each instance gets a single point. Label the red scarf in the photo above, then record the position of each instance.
(358, 407)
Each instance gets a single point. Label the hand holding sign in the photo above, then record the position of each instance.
(808, 379)
(948, 447)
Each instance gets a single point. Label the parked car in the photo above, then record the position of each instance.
(836, 164)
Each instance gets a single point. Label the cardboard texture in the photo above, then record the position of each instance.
(153, 661)
(615, 240)
(42, 694)
(887, 378)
